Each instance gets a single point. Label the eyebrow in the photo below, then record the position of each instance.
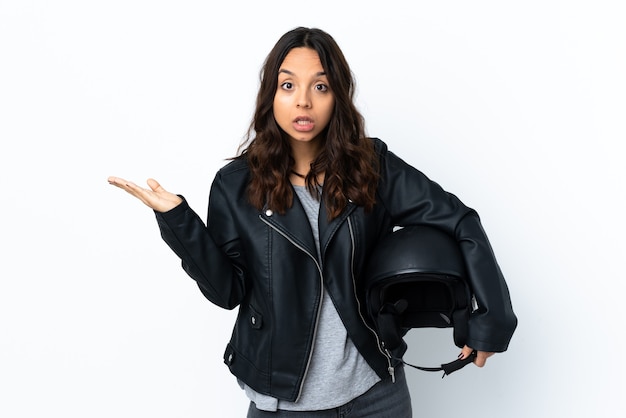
(318, 74)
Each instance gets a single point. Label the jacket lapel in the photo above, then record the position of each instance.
(294, 225)
(328, 229)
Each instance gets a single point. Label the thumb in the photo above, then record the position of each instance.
(154, 185)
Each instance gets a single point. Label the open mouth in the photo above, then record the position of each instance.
(303, 124)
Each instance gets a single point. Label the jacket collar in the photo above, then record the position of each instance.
(295, 226)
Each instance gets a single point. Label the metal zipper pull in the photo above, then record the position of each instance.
(392, 372)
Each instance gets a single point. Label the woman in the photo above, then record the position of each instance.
(291, 222)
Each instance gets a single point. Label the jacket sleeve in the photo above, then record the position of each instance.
(411, 198)
(215, 268)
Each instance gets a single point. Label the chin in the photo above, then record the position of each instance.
(301, 138)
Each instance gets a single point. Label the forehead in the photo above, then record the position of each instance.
(302, 61)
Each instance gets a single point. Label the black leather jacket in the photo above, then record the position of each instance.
(267, 264)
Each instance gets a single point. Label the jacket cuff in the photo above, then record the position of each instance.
(174, 212)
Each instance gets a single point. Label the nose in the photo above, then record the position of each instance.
(303, 100)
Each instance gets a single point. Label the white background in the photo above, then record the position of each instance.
(516, 107)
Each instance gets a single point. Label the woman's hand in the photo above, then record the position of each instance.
(481, 356)
(156, 197)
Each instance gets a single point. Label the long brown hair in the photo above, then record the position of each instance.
(347, 158)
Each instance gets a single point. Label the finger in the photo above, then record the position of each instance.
(123, 184)
(116, 181)
(129, 187)
(481, 358)
(133, 189)
(465, 352)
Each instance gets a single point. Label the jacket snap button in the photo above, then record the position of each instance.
(253, 320)
(269, 212)
(230, 358)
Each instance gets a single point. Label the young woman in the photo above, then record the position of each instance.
(292, 220)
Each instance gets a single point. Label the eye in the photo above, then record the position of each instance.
(286, 85)
(321, 88)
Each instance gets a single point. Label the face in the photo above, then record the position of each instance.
(303, 102)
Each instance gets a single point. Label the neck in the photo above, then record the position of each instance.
(304, 153)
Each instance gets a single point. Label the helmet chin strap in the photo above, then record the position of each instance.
(446, 368)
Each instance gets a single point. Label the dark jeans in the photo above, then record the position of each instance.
(383, 400)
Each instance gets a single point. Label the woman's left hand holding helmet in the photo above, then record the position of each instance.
(481, 356)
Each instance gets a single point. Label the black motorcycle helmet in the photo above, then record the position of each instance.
(415, 278)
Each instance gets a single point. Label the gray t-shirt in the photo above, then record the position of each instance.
(337, 372)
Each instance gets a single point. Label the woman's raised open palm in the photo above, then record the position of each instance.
(156, 197)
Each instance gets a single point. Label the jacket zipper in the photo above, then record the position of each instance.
(383, 351)
(317, 314)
